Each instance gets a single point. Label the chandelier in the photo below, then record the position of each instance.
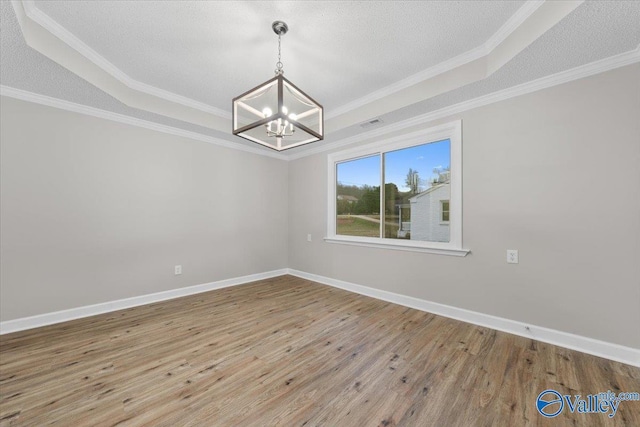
(277, 114)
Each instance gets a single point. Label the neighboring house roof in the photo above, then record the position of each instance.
(428, 190)
(347, 198)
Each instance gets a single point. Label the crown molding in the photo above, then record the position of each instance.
(481, 51)
(32, 12)
(48, 37)
(518, 18)
(42, 40)
(24, 95)
(48, 23)
(538, 23)
(596, 67)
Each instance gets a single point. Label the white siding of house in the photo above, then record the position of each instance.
(426, 222)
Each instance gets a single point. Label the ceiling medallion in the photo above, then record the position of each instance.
(276, 113)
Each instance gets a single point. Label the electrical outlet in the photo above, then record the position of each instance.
(512, 256)
(308, 237)
(177, 270)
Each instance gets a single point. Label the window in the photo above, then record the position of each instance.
(357, 184)
(444, 211)
(400, 194)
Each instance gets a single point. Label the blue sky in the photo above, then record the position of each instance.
(423, 158)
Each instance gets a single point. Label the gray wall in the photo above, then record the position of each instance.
(554, 174)
(94, 211)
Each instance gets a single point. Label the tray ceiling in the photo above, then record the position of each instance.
(181, 63)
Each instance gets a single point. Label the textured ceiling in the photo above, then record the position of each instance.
(213, 51)
(592, 32)
(336, 51)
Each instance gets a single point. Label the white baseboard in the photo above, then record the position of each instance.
(106, 307)
(616, 352)
(619, 353)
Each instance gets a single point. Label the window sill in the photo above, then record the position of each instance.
(398, 246)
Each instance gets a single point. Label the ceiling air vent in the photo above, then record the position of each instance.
(372, 122)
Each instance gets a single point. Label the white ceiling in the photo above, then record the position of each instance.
(180, 63)
(213, 51)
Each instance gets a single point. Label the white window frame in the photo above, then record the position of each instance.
(451, 131)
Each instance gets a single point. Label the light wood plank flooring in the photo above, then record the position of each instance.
(290, 352)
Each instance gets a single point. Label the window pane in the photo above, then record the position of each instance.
(358, 197)
(416, 180)
(445, 210)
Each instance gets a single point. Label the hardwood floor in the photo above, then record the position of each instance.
(290, 352)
